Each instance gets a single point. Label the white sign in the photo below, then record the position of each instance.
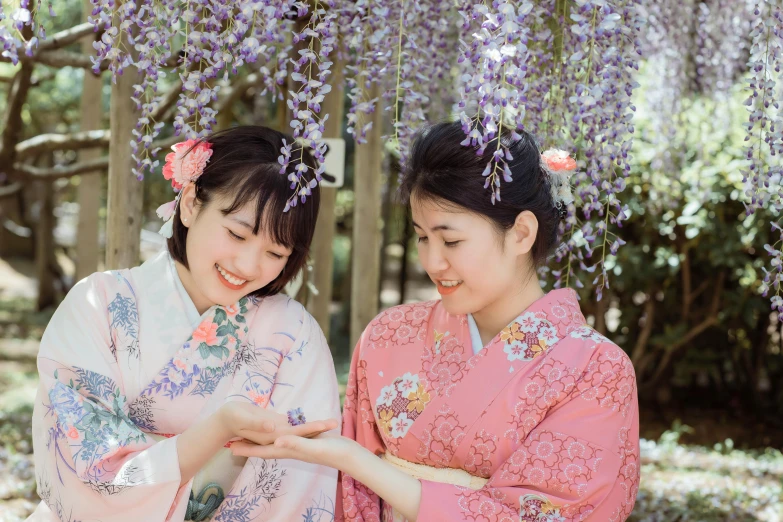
(334, 161)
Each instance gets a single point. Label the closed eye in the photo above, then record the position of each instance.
(451, 243)
(276, 255)
(422, 239)
(234, 236)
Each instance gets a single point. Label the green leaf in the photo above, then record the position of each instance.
(240, 319)
(224, 330)
(203, 350)
(220, 316)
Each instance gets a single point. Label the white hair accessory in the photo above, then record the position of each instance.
(559, 166)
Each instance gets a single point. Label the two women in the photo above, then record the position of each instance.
(497, 402)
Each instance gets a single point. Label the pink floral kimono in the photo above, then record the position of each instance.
(546, 415)
(127, 363)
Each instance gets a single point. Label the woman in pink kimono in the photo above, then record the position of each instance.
(496, 403)
(148, 375)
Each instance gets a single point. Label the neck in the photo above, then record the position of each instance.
(199, 301)
(491, 319)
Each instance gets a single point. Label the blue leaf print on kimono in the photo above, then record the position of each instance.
(95, 431)
(124, 325)
(239, 507)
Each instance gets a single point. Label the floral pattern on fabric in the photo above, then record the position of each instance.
(528, 337)
(609, 380)
(399, 405)
(206, 357)
(445, 364)
(538, 508)
(588, 333)
(441, 439)
(399, 326)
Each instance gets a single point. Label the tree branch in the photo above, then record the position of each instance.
(59, 58)
(10, 190)
(66, 37)
(31, 173)
(49, 142)
(644, 335)
(12, 120)
(61, 171)
(168, 101)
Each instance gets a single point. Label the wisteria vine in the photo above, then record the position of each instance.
(561, 69)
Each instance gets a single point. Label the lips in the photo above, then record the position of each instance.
(220, 271)
(450, 289)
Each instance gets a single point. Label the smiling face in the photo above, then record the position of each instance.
(476, 268)
(226, 261)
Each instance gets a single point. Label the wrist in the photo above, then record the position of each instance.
(353, 460)
(219, 425)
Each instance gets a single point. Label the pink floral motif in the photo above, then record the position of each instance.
(443, 367)
(609, 379)
(528, 337)
(400, 325)
(357, 395)
(205, 333)
(479, 459)
(232, 310)
(182, 166)
(399, 404)
(441, 439)
(538, 508)
(358, 501)
(486, 505)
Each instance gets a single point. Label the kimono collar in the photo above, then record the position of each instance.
(560, 307)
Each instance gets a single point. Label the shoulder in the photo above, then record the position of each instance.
(97, 290)
(399, 324)
(280, 315)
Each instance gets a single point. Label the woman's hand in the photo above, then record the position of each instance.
(395, 487)
(262, 426)
(326, 449)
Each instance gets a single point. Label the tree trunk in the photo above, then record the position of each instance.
(124, 208)
(89, 191)
(366, 243)
(44, 247)
(322, 255)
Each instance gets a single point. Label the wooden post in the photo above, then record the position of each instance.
(44, 246)
(89, 191)
(366, 243)
(321, 253)
(124, 208)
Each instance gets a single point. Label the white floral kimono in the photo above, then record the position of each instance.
(127, 363)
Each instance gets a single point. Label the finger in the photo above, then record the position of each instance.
(311, 429)
(242, 449)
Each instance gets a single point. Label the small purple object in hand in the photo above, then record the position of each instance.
(296, 417)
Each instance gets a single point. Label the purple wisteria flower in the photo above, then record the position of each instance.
(296, 417)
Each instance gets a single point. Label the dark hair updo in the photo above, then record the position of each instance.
(441, 170)
(244, 169)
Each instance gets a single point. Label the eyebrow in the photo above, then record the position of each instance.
(243, 223)
(435, 228)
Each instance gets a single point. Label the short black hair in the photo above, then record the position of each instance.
(244, 166)
(440, 169)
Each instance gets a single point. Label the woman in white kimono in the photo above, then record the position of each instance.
(148, 375)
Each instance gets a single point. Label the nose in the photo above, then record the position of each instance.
(436, 262)
(248, 262)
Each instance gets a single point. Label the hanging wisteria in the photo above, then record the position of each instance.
(764, 187)
(561, 69)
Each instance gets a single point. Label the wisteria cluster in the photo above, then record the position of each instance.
(563, 71)
(13, 39)
(764, 186)
(311, 73)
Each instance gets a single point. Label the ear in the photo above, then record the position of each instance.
(188, 210)
(524, 232)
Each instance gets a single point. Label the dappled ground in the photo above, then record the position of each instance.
(711, 482)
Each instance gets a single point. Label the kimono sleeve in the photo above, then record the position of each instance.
(305, 389)
(580, 463)
(357, 502)
(92, 462)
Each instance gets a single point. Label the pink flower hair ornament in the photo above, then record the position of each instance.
(183, 166)
(559, 166)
